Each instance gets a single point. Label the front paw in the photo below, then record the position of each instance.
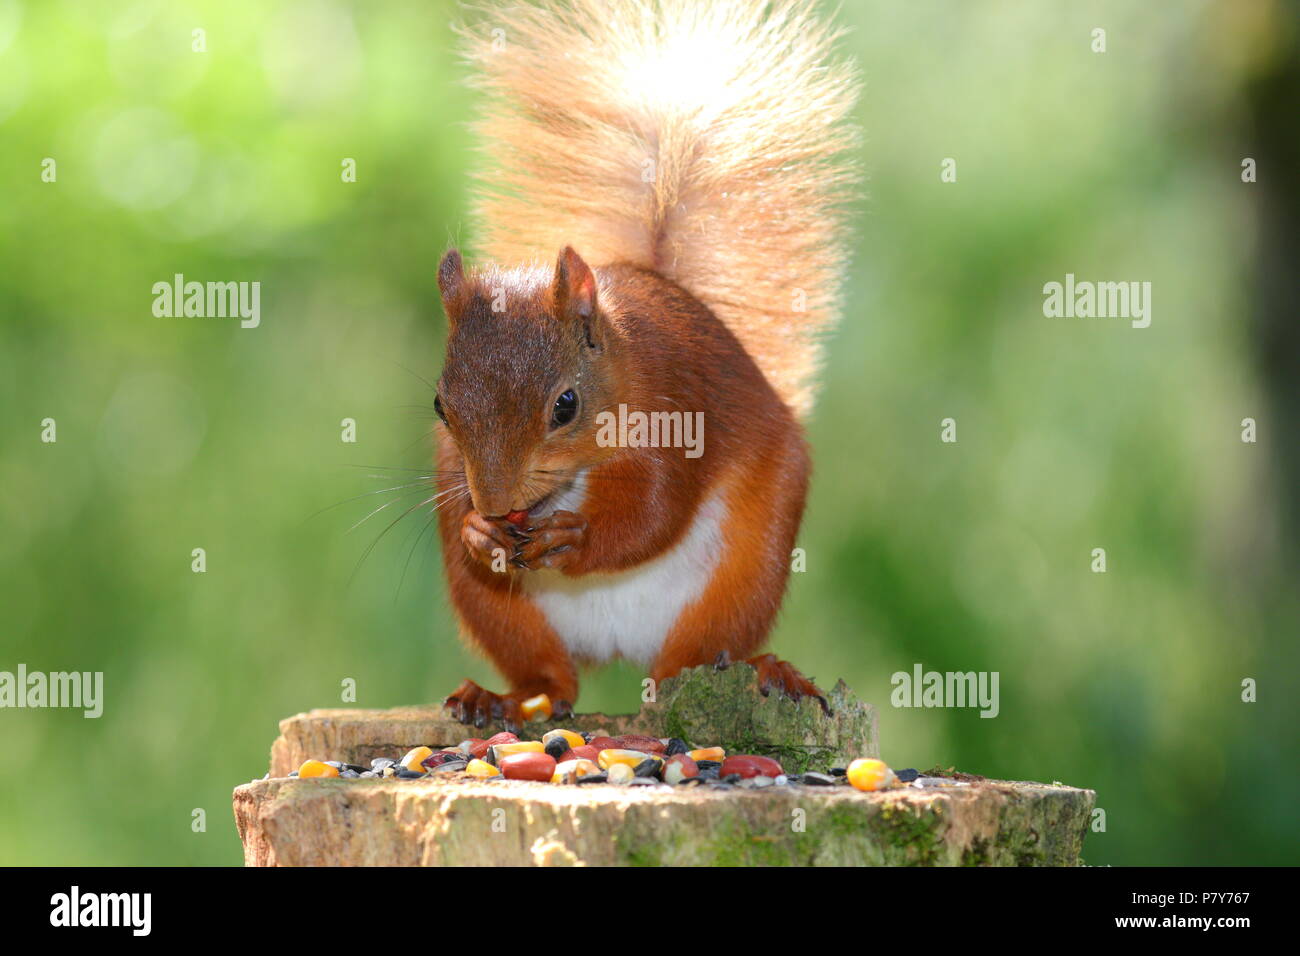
(554, 542)
(489, 541)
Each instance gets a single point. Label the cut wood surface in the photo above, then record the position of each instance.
(439, 822)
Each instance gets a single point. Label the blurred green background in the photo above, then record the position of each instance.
(175, 434)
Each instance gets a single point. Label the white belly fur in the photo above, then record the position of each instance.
(629, 613)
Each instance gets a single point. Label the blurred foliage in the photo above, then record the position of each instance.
(1073, 434)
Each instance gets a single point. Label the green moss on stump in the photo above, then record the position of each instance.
(724, 708)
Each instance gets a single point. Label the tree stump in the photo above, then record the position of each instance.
(452, 820)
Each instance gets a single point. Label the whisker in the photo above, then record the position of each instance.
(415, 484)
(432, 387)
(419, 504)
(436, 471)
(429, 523)
(394, 501)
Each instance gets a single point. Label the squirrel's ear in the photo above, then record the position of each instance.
(574, 291)
(451, 279)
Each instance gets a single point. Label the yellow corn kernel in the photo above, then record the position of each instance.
(536, 708)
(571, 738)
(867, 774)
(620, 773)
(481, 769)
(581, 767)
(415, 758)
(315, 768)
(497, 751)
(708, 753)
(608, 758)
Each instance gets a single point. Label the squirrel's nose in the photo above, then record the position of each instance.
(492, 508)
(492, 502)
(492, 488)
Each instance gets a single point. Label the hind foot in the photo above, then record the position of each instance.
(471, 704)
(778, 675)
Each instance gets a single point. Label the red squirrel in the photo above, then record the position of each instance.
(699, 154)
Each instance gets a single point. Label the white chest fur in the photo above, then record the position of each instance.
(629, 613)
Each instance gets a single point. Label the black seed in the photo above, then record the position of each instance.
(708, 764)
(647, 768)
(676, 746)
(594, 778)
(907, 776)
(709, 773)
(408, 774)
(732, 778)
(838, 771)
(557, 747)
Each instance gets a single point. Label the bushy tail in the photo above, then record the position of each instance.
(708, 140)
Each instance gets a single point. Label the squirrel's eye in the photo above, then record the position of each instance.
(437, 407)
(566, 407)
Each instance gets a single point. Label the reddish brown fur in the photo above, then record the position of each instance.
(657, 349)
(702, 154)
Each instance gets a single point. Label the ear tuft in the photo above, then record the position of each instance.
(575, 287)
(451, 276)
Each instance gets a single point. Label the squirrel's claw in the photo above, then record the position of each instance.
(461, 701)
(554, 541)
(471, 704)
(775, 674)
